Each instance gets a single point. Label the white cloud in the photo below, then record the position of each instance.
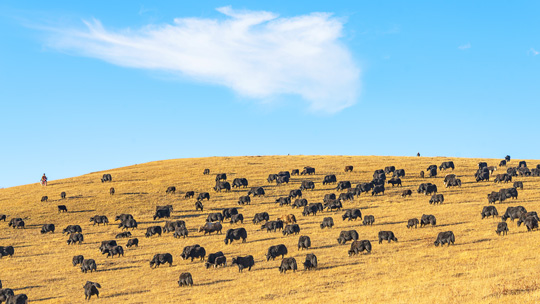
(465, 46)
(533, 52)
(255, 53)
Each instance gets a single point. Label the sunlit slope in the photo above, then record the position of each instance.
(481, 267)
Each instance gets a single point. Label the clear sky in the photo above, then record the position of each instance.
(94, 85)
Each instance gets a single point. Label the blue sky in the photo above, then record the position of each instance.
(88, 86)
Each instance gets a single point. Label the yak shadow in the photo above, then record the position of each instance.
(392, 223)
(44, 299)
(125, 293)
(325, 246)
(28, 287)
(262, 240)
(117, 268)
(82, 211)
(452, 224)
(133, 193)
(214, 282)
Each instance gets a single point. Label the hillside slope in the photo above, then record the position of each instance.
(481, 267)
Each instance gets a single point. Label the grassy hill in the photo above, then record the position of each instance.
(481, 267)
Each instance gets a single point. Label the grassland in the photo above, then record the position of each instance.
(480, 268)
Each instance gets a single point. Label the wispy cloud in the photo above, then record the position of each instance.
(465, 46)
(255, 53)
(533, 52)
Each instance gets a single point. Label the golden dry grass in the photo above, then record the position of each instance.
(480, 268)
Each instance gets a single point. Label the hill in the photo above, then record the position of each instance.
(481, 267)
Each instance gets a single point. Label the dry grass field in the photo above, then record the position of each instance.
(481, 267)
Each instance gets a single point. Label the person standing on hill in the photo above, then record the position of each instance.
(44, 180)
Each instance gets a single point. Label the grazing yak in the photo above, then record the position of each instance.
(235, 218)
(345, 236)
(256, 191)
(430, 189)
(304, 242)
(88, 265)
(189, 194)
(244, 200)
(112, 191)
(78, 259)
(331, 205)
(235, 234)
(75, 238)
(284, 200)
(349, 168)
(327, 222)
(307, 185)
(412, 222)
(63, 195)
(288, 218)
(369, 220)
(360, 246)
(6, 250)
(502, 227)
(16, 222)
(347, 196)
(170, 226)
(311, 261)
(123, 217)
(211, 260)
(436, 199)
(99, 219)
(90, 289)
(447, 165)
(406, 193)
(72, 229)
(107, 245)
(272, 226)
(352, 214)
(214, 217)
(399, 173)
(310, 209)
(291, 229)
(431, 167)
(329, 179)
(240, 182)
(288, 264)
(428, 219)
(210, 227)
(222, 186)
(297, 193)
(44, 198)
(377, 189)
(47, 228)
(129, 223)
(229, 212)
(161, 258)
(153, 230)
(389, 169)
(488, 211)
(502, 163)
(342, 185)
(180, 232)
(275, 251)
(301, 202)
(133, 242)
(518, 185)
(162, 213)
(259, 217)
(524, 216)
(171, 190)
(185, 279)
(206, 171)
(122, 235)
(203, 195)
(282, 179)
(328, 197)
(192, 252)
(243, 262)
(115, 250)
(531, 223)
(62, 208)
(394, 181)
(387, 235)
(513, 213)
(199, 205)
(221, 176)
(106, 178)
(446, 237)
(308, 171)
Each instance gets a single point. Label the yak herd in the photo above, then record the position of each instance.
(287, 223)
